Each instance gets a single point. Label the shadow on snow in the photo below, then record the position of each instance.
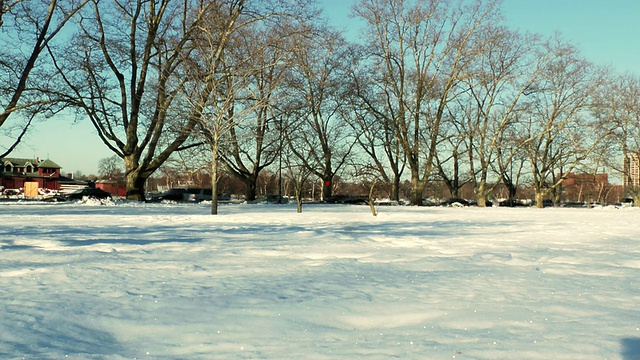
(630, 348)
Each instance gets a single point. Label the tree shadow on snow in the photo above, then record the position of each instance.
(435, 229)
(130, 236)
(123, 241)
(11, 245)
(630, 348)
(57, 337)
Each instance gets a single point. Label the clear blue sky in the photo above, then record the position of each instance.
(606, 31)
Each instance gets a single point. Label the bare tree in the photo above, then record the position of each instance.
(254, 141)
(505, 69)
(561, 121)
(322, 139)
(510, 162)
(375, 137)
(111, 168)
(216, 73)
(215, 121)
(237, 120)
(190, 167)
(418, 51)
(619, 103)
(24, 86)
(450, 160)
(297, 174)
(125, 69)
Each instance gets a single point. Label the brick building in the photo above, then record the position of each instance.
(16, 172)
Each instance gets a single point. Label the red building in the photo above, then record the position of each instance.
(116, 188)
(590, 187)
(16, 172)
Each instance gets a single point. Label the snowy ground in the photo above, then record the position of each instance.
(159, 281)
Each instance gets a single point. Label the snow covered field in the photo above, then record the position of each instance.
(160, 281)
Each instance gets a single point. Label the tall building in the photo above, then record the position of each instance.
(631, 174)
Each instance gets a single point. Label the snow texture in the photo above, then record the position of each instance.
(169, 281)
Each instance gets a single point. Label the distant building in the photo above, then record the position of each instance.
(113, 187)
(586, 180)
(586, 187)
(631, 175)
(68, 184)
(16, 172)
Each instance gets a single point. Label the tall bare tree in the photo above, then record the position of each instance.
(375, 137)
(560, 120)
(254, 138)
(505, 69)
(216, 73)
(619, 104)
(238, 120)
(32, 26)
(125, 69)
(321, 138)
(419, 50)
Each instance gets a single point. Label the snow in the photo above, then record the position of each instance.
(169, 281)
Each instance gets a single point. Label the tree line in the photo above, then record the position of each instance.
(429, 89)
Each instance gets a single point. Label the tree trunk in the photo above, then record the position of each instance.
(512, 191)
(327, 188)
(135, 183)
(417, 189)
(395, 189)
(539, 199)
(372, 204)
(481, 200)
(557, 196)
(214, 180)
(250, 188)
(481, 196)
(134, 178)
(299, 201)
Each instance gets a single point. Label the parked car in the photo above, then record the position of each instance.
(573, 204)
(187, 195)
(275, 199)
(198, 195)
(170, 195)
(455, 202)
(510, 203)
(627, 202)
(89, 193)
(487, 203)
(347, 199)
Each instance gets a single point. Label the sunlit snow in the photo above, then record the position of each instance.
(169, 281)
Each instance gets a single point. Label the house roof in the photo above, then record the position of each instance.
(48, 164)
(18, 162)
(23, 162)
